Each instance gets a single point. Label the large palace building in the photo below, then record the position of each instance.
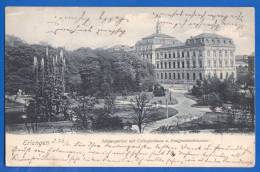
(199, 57)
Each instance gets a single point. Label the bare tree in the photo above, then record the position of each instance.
(141, 110)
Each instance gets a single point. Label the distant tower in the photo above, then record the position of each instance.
(158, 27)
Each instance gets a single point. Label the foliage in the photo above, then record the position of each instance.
(105, 121)
(158, 91)
(218, 90)
(82, 114)
(237, 93)
(89, 72)
(109, 102)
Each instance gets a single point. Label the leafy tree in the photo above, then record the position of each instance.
(83, 112)
(109, 103)
(158, 91)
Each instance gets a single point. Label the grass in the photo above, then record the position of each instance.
(215, 121)
(125, 113)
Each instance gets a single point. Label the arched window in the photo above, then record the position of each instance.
(194, 76)
(194, 64)
(188, 64)
(170, 76)
(179, 76)
(200, 75)
(182, 76)
(165, 75)
(173, 75)
(161, 75)
(200, 53)
(200, 63)
(188, 76)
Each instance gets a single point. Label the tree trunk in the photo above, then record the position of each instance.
(140, 127)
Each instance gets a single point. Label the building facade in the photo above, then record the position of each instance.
(145, 48)
(199, 57)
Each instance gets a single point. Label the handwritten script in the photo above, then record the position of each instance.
(86, 150)
(200, 18)
(101, 24)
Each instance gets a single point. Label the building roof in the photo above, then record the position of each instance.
(157, 35)
(178, 44)
(209, 35)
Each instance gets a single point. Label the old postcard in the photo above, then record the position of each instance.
(130, 86)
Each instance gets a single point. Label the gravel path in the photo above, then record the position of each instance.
(185, 112)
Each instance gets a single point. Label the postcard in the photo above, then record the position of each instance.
(130, 86)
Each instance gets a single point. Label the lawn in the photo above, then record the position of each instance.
(212, 121)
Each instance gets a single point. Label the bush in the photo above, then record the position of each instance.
(215, 101)
(158, 91)
(107, 122)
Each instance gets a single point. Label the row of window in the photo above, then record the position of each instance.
(179, 76)
(169, 65)
(182, 54)
(186, 76)
(207, 40)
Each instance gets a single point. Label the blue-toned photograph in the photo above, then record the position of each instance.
(130, 86)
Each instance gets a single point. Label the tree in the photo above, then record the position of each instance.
(158, 91)
(65, 107)
(90, 76)
(32, 115)
(83, 112)
(215, 101)
(141, 111)
(109, 102)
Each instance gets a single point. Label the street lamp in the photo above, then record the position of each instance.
(166, 99)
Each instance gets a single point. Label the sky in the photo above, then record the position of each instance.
(103, 27)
